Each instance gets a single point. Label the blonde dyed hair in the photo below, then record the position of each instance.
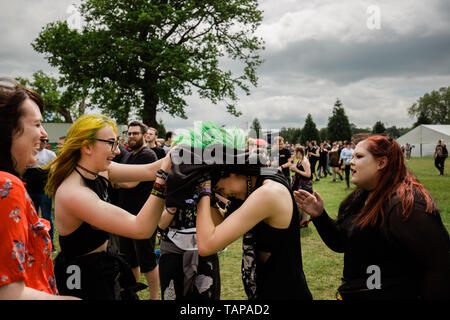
(83, 132)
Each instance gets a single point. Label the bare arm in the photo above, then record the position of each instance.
(166, 218)
(118, 172)
(18, 291)
(84, 204)
(260, 205)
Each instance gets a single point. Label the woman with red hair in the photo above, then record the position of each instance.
(394, 242)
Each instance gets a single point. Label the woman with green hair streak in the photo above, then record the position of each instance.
(79, 180)
(213, 161)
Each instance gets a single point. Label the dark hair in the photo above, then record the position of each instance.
(139, 124)
(11, 100)
(169, 135)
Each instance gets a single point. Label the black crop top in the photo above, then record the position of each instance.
(281, 275)
(86, 237)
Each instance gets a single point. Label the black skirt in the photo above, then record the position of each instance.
(96, 276)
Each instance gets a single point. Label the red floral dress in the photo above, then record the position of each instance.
(25, 245)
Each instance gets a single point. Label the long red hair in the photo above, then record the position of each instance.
(394, 178)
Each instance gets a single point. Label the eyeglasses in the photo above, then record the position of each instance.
(113, 144)
(44, 140)
(134, 133)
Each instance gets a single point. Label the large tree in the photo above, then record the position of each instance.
(148, 55)
(339, 128)
(433, 107)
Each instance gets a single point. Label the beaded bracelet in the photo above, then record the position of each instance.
(158, 190)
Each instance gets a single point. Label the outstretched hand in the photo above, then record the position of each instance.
(311, 204)
(166, 163)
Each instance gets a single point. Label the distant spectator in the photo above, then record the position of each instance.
(168, 142)
(36, 179)
(440, 154)
(408, 151)
(284, 158)
(346, 157)
(150, 138)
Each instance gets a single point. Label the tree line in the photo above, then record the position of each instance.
(338, 128)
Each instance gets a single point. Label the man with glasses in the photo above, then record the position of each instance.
(36, 179)
(140, 254)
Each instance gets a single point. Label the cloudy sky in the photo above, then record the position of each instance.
(378, 57)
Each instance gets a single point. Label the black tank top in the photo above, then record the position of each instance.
(86, 237)
(281, 275)
(302, 177)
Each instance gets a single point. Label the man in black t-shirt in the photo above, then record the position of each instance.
(440, 154)
(140, 254)
(284, 158)
(150, 138)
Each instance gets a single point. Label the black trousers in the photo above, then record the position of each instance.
(171, 278)
(347, 175)
(439, 163)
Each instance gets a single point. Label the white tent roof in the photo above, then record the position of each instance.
(425, 138)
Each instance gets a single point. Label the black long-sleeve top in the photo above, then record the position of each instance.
(413, 256)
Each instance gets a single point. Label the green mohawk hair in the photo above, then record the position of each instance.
(206, 133)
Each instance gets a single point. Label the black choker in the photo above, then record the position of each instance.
(88, 171)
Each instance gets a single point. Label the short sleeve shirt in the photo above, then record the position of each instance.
(134, 199)
(25, 251)
(346, 156)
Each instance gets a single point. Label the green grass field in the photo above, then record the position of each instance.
(323, 267)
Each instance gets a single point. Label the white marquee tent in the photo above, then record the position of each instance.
(424, 138)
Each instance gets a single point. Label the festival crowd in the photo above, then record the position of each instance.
(113, 200)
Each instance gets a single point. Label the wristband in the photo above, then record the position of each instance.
(158, 190)
(161, 174)
(206, 192)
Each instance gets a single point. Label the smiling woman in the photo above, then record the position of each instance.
(79, 181)
(26, 268)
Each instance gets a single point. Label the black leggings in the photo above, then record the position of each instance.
(347, 175)
(439, 163)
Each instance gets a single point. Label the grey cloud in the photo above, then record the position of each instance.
(350, 62)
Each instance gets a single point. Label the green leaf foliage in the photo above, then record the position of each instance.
(432, 108)
(146, 56)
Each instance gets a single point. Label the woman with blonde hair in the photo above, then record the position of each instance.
(79, 180)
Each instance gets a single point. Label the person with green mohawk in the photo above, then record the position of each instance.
(260, 206)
